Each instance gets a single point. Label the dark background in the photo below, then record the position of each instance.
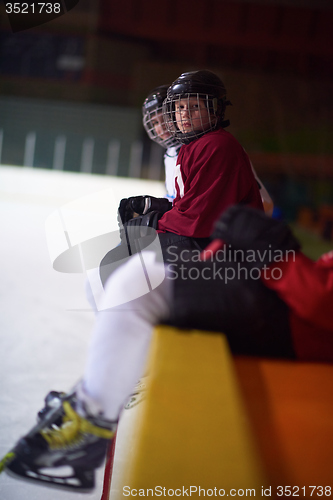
(86, 74)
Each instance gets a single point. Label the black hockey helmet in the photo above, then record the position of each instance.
(204, 86)
(152, 116)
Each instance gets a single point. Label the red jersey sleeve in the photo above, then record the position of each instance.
(306, 287)
(215, 173)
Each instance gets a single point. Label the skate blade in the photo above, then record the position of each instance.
(11, 455)
(81, 483)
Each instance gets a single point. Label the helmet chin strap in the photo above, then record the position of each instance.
(188, 137)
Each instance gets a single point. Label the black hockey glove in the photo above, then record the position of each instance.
(141, 205)
(144, 204)
(125, 211)
(137, 228)
(250, 229)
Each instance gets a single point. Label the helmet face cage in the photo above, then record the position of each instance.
(191, 115)
(152, 119)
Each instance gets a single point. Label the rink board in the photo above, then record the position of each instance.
(217, 421)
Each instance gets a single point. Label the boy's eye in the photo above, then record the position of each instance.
(192, 107)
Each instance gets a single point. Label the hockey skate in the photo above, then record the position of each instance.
(63, 449)
(52, 400)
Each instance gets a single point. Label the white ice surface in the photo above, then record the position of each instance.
(45, 320)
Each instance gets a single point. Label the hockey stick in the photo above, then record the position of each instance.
(109, 469)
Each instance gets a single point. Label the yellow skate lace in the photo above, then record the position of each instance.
(72, 430)
(6, 460)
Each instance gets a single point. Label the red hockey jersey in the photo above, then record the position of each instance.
(307, 288)
(213, 172)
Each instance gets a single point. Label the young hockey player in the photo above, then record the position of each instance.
(153, 122)
(203, 124)
(154, 125)
(272, 316)
(212, 172)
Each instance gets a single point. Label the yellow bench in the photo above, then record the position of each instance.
(232, 426)
(194, 431)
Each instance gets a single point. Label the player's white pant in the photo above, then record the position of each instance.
(122, 335)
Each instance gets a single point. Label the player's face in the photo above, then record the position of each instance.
(192, 115)
(158, 124)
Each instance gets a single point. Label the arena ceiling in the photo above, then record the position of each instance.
(293, 36)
